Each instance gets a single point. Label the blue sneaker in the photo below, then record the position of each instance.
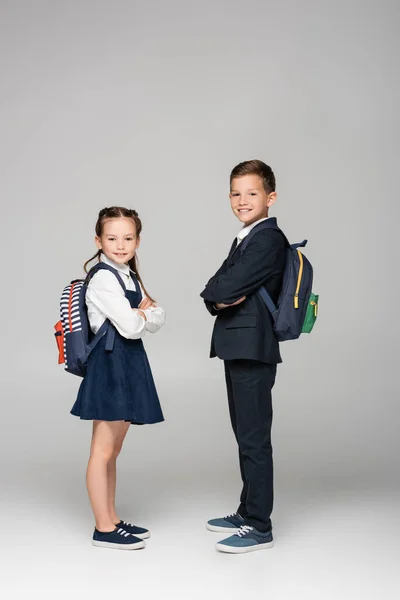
(247, 539)
(231, 524)
(119, 539)
(139, 532)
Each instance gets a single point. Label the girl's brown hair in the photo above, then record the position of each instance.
(117, 212)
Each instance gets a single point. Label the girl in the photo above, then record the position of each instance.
(118, 388)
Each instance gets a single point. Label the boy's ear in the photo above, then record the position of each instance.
(98, 242)
(271, 199)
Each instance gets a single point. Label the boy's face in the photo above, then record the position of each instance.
(249, 200)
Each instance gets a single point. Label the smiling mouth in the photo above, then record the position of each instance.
(244, 210)
(120, 253)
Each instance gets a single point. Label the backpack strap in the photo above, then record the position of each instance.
(103, 266)
(107, 326)
(299, 245)
(270, 223)
(267, 299)
(103, 329)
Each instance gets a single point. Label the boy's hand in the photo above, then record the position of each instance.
(145, 304)
(221, 305)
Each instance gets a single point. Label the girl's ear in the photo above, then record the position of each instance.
(137, 242)
(98, 242)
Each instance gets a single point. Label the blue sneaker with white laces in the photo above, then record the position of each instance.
(229, 524)
(139, 532)
(119, 539)
(247, 539)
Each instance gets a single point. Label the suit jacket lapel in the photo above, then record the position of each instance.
(232, 250)
(271, 223)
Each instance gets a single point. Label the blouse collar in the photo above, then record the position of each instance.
(125, 269)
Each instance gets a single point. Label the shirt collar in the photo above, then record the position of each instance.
(125, 269)
(246, 230)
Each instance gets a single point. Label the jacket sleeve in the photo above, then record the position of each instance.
(255, 266)
(210, 305)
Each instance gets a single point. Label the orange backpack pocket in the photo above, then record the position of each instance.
(59, 334)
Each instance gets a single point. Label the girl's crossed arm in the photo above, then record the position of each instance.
(105, 294)
(155, 315)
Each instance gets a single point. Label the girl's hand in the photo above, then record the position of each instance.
(221, 305)
(145, 304)
(141, 313)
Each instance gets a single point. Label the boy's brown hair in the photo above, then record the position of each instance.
(255, 167)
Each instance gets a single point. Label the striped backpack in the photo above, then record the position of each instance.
(75, 340)
(297, 307)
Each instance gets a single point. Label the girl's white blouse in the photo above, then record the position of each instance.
(105, 299)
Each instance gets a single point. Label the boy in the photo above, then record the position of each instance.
(243, 337)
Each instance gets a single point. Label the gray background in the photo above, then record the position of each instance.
(150, 105)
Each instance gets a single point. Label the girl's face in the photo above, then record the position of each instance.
(249, 200)
(118, 240)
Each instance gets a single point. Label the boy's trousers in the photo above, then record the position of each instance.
(249, 384)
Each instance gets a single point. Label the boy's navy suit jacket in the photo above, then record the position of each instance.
(245, 331)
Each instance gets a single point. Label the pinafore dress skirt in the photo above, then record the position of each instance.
(119, 385)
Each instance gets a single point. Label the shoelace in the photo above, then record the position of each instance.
(229, 516)
(128, 524)
(244, 530)
(121, 531)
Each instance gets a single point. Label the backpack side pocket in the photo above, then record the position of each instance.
(59, 334)
(311, 314)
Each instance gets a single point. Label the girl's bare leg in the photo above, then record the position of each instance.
(104, 443)
(112, 473)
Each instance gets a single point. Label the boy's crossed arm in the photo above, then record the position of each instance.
(212, 308)
(254, 267)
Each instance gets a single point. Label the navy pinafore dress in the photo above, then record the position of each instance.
(119, 385)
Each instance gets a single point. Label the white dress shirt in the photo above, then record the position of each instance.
(105, 299)
(246, 230)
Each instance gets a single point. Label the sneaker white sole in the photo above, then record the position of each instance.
(142, 536)
(135, 546)
(238, 550)
(226, 530)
